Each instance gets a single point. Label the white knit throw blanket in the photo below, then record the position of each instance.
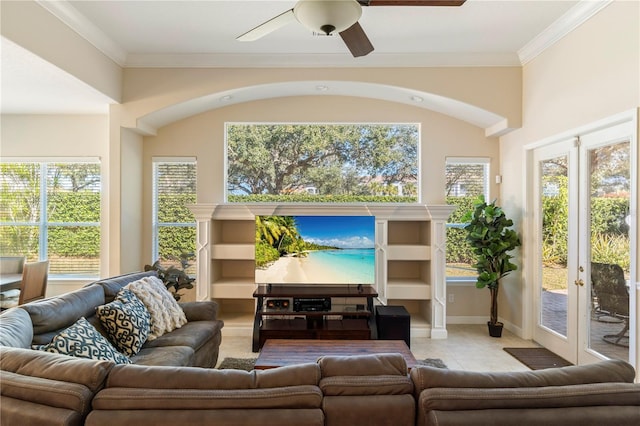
(166, 314)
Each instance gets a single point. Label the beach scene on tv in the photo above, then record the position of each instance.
(315, 250)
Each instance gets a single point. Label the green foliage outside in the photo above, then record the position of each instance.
(309, 198)
(609, 241)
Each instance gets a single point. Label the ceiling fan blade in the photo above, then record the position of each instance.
(268, 26)
(411, 2)
(356, 40)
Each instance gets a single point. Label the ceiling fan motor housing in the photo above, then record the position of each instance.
(327, 16)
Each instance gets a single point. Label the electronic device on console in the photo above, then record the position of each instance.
(278, 304)
(313, 304)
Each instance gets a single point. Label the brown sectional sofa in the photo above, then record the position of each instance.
(41, 388)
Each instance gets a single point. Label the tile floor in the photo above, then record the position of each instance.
(468, 347)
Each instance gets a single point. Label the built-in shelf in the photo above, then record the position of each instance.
(233, 251)
(410, 257)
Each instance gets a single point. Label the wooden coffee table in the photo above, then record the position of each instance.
(283, 352)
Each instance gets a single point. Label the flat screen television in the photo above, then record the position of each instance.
(315, 250)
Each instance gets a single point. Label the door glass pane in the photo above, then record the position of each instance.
(610, 261)
(555, 208)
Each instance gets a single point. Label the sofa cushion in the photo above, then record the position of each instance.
(82, 340)
(593, 394)
(602, 372)
(111, 286)
(199, 378)
(127, 322)
(166, 314)
(16, 330)
(193, 334)
(57, 313)
(363, 365)
(165, 356)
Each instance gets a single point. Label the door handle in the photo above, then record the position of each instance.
(579, 282)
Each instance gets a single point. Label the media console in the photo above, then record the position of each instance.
(333, 312)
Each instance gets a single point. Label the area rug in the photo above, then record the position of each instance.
(433, 362)
(247, 364)
(537, 358)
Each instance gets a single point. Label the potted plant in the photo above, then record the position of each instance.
(491, 239)
(174, 278)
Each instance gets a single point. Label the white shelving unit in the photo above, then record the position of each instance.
(410, 258)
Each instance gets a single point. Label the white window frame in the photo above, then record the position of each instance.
(43, 224)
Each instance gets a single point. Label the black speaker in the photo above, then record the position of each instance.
(394, 323)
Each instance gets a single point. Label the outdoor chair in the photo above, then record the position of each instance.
(610, 290)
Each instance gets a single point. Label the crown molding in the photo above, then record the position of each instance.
(568, 22)
(380, 60)
(70, 16)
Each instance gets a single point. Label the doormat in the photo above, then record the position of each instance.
(537, 358)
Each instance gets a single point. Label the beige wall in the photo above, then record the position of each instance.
(494, 89)
(202, 136)
(591, 74)
(28, 24)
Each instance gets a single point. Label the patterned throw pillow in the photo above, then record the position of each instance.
(126, 321)
(82, 340)
(166, 313)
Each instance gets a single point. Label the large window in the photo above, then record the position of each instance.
(51, 210)
(466, 180)
(337, 163)
(174, 227)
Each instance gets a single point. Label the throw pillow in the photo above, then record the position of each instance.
(127, 322)
(166, 313)
(82, 340)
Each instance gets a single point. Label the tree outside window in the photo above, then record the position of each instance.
(322, 163)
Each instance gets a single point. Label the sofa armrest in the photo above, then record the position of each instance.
(46, 392)
(17, 328)
(45, 365)
(200, 311)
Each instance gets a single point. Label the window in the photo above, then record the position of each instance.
(337, 163)
(174, 226)
(51, 210)
(466, 180)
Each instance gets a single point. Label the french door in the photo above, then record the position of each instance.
(583, 188)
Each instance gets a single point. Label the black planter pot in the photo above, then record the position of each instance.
(495, 330)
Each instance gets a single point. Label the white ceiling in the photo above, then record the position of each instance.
(203, 34)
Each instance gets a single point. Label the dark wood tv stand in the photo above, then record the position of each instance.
(343, 321)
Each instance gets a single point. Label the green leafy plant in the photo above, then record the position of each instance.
(174, 278)
(489, 235)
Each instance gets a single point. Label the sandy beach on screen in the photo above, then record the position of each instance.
(296, 270)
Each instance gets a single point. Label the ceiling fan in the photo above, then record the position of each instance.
(335, 16)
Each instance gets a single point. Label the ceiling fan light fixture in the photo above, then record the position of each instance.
(327, 17)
